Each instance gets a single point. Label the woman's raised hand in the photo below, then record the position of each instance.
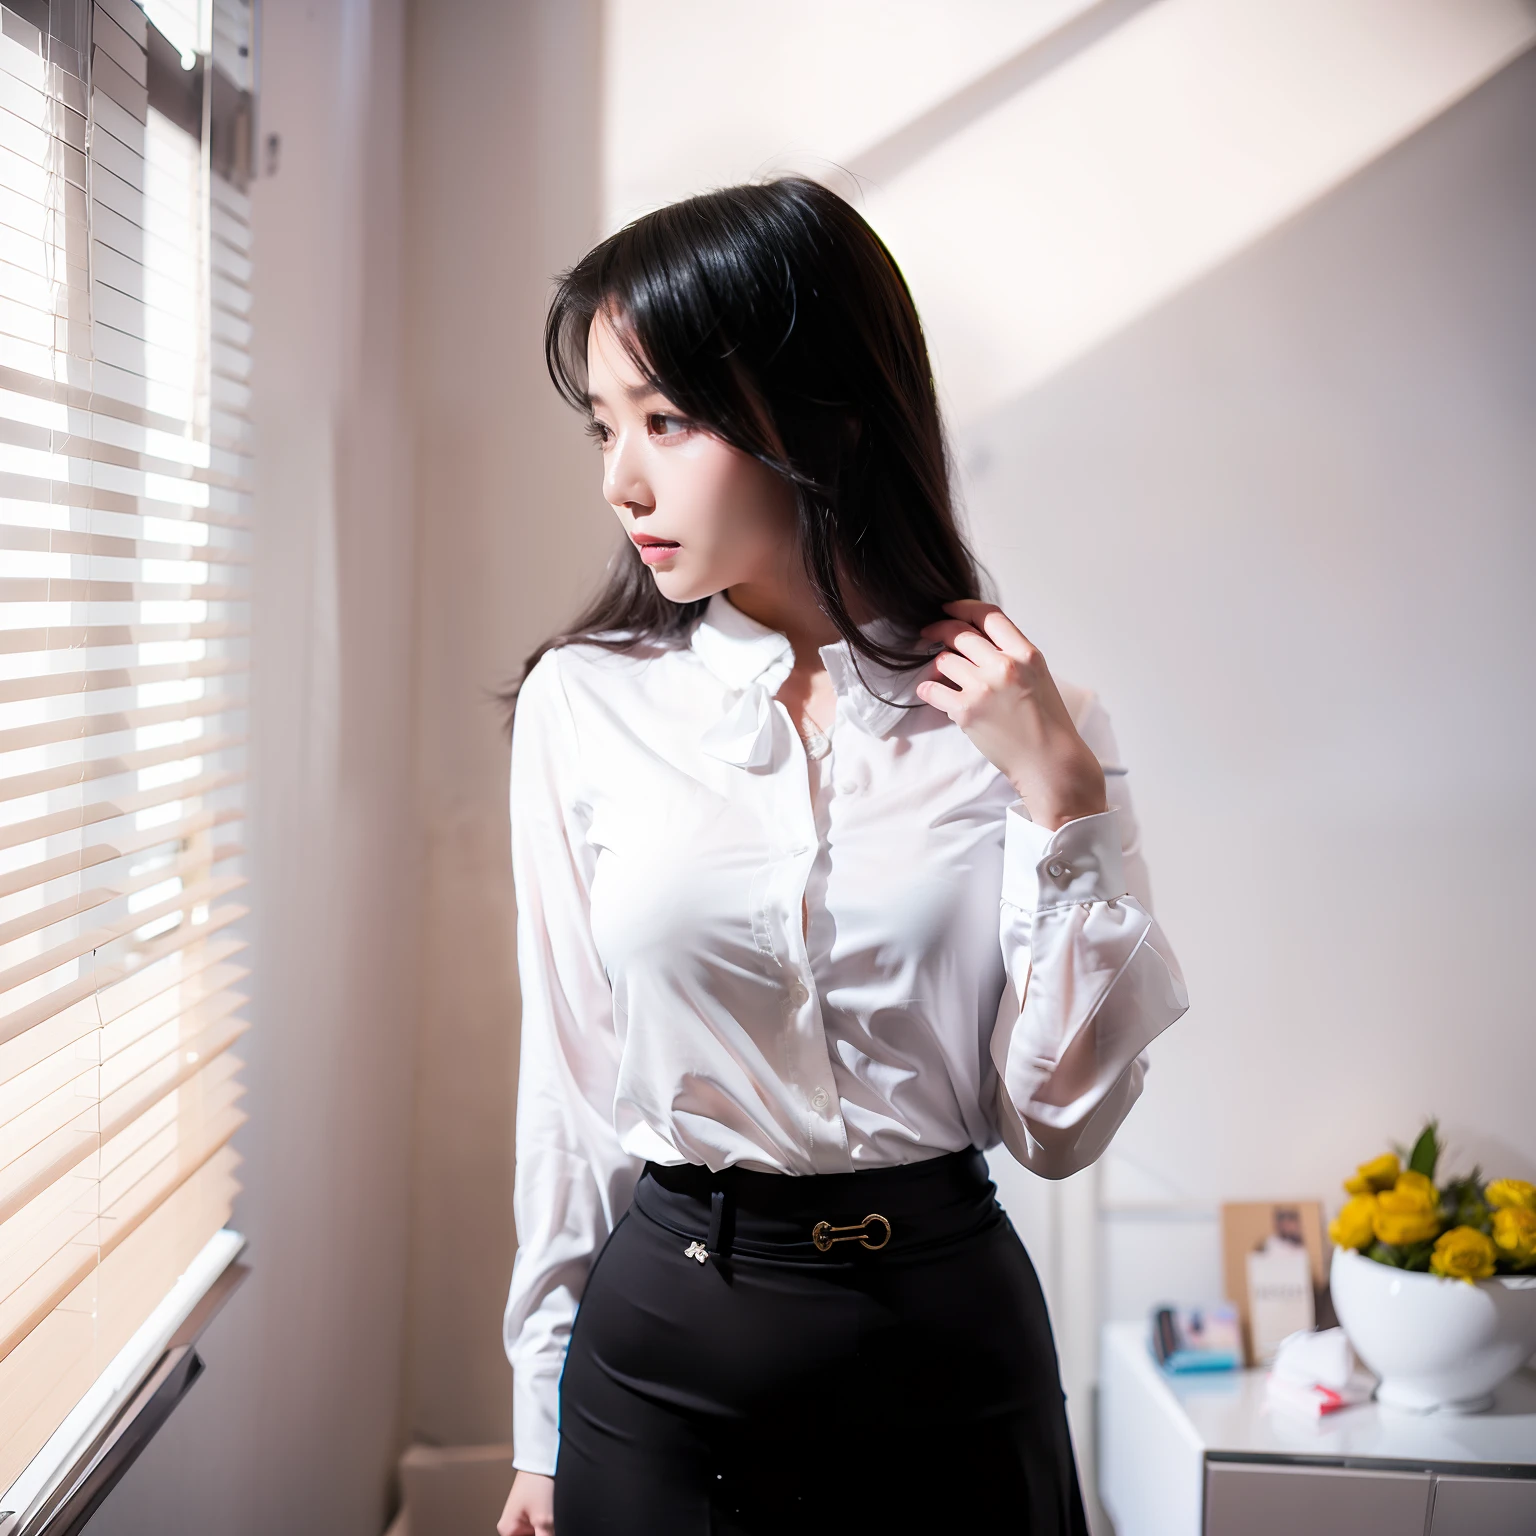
(530, 1507)
(1000, 693)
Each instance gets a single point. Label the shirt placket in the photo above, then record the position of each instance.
(800, 841)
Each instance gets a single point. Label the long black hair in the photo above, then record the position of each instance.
(774, 317)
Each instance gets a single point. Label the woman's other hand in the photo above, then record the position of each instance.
(530, 1509)
(1001, 695)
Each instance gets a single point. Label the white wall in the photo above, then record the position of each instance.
(701, 94)
(1284, 526)
(502, 185)
(295, 1427)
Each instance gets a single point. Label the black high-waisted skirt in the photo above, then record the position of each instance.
(729, 1373)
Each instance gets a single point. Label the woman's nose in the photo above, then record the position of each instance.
(624, 482)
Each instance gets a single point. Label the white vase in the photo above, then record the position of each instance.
(1437, 1345)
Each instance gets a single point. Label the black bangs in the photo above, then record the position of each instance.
(706, 298)
(774, 316)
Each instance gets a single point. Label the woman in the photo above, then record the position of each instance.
(819, 893)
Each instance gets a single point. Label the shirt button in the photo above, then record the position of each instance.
(819, 1099)
(798, 994)
(1056, 869)
(848, 787)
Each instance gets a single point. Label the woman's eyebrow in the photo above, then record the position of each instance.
(633, 391)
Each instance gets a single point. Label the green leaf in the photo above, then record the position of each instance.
(1426, 1151)
(1462, 1202)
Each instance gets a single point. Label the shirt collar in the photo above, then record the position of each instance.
(740, 651)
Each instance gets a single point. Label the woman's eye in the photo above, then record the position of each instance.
(663, 425)
(596, 431)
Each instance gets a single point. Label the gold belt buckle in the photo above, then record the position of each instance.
(824, 1234)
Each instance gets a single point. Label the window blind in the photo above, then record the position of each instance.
(124, 608)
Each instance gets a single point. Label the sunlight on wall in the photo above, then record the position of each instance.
(802, 85)
(1057, 217)
(1156, 155)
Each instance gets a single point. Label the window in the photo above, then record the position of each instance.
(124, 548)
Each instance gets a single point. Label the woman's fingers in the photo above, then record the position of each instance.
(960, 670)
(960, 636)
(946, 631)
(964, 669)
(1005, 655)
(940, 695)
(994, 624)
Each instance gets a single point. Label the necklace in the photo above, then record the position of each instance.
(815, 739)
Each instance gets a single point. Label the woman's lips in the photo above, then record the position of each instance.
(656, 553)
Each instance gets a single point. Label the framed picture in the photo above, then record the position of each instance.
(1274, 1263)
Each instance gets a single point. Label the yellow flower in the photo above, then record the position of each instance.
(1373, 1177)
(1514, 1230)
(1512, 1194)
(1420, 1187)
(1354, 1226)
(1413, 1227)
(1409, 1212)
(1463, 1253)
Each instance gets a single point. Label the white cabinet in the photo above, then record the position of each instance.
(1484, 1506)
(1245, 1499)
(1203, 1456)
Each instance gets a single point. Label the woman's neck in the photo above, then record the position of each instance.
(795, 613)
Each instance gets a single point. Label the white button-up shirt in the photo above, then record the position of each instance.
(731, 952)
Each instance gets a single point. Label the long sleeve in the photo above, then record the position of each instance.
(573, 1179)
(1091, 979)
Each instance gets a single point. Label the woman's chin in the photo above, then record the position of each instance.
(678, 588)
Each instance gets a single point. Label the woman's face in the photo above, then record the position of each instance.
(722, 518)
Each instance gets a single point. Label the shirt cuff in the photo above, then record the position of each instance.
(535, 1432)
(1080, 861)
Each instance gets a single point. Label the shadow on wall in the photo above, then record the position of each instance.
(1282, 525)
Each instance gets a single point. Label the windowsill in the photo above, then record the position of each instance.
(71, 1446)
